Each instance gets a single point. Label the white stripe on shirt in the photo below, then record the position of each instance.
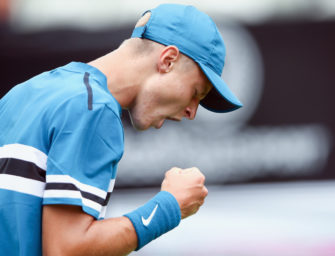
(26, 153)
(23, 185)
(52, 193)
(83, 187)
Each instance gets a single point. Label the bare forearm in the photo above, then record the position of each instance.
(114, 236)
(79, 234)
(67, 230)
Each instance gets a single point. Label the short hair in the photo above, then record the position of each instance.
(142, 46)
(138, 45)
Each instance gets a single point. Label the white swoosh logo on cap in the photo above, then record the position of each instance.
(147, 221)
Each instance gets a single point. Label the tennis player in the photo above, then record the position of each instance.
(61, 138)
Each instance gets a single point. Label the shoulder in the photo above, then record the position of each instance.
(80, 87)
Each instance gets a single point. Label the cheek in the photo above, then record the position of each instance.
(180, 90)
(163, 96)
(184, 95)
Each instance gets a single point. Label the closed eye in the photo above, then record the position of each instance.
(195, 93)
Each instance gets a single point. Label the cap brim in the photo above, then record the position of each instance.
(220, 99)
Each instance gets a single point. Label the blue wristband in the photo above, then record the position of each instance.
(156, 217)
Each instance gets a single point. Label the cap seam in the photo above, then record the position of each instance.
(213, 47)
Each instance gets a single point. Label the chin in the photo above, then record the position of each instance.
(140, 128)
(138, 125)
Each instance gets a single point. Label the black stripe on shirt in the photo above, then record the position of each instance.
(70, 186)
(89, 91)
(21, 168)
(107, 198)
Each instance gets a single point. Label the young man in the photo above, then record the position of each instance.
(61, 138)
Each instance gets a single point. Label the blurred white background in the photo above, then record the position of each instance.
(41, 14)
(281, 219)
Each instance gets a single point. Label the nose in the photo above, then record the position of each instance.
(191, 110)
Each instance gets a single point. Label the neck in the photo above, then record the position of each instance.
(123, 77)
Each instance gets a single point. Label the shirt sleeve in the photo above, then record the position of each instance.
(86, 146)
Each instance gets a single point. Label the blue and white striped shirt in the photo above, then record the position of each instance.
(61, 139)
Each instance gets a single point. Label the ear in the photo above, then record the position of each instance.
(167, 58)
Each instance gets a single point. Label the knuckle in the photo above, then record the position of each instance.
(174, 169)
(205, 191)
(201, 179)
(198, 172)
(196, 169)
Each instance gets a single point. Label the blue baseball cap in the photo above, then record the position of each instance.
(196, 35)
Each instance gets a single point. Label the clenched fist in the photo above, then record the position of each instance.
(187, 186)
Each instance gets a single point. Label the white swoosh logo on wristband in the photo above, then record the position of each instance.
(147, 221)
